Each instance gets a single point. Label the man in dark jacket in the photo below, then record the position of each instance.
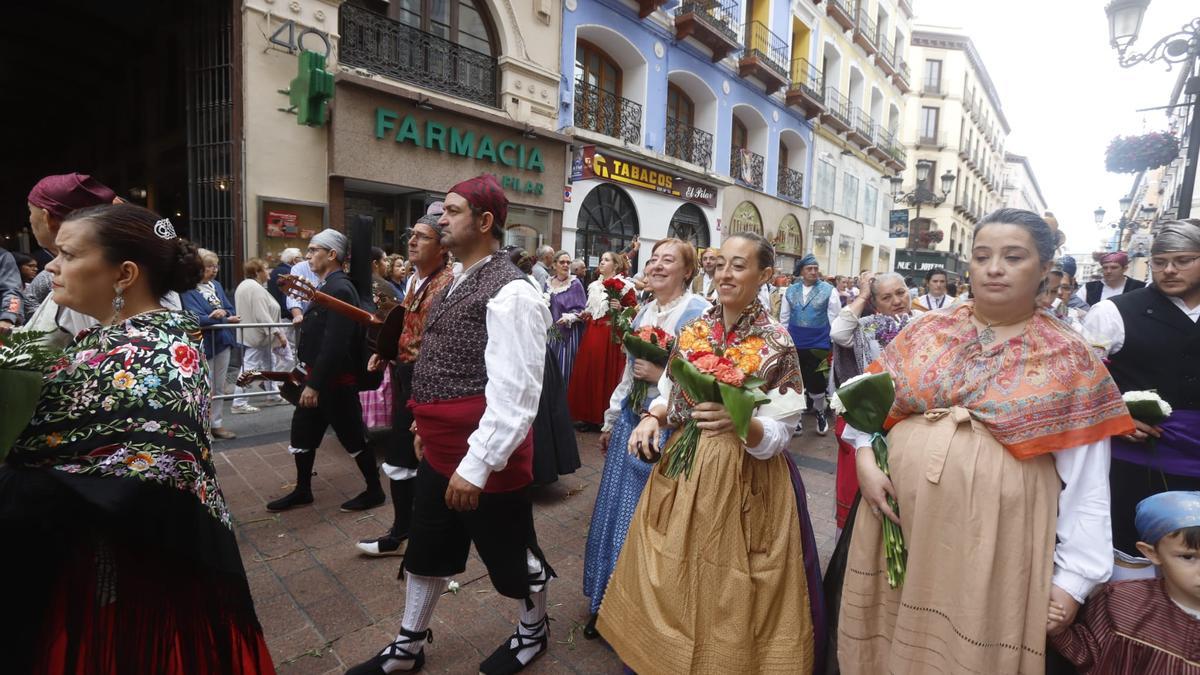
(12, 303)
(331, 350)
(1114, 281)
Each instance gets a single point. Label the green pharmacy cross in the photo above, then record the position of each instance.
(311, 91)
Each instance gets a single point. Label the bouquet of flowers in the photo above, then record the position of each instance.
(23, 358)
(614, 288)
(864, 402)
(648, 343)
(1147, 406)
(708, 378)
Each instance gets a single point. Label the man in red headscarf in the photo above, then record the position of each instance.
(1114, 281)
(475, 390)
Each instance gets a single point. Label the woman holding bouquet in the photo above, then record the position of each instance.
(119, 552)
(668, 272)
(600, 361)
(998, 454)
(715, 575)
(567, 299)
(859, 333)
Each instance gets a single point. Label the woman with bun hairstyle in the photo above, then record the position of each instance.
(119, 552)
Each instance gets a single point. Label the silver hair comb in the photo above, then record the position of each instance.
(165, 229)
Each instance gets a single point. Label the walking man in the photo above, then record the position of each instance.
(476, 386)
(431, 275)
(808, 309)
(331, 350)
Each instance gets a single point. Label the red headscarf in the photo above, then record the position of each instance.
(484, 193)
(62, 194)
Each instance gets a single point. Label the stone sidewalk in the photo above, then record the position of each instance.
(324, 607)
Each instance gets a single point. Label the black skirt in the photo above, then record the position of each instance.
(555, 452)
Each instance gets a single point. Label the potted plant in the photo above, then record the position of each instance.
(1131, 154)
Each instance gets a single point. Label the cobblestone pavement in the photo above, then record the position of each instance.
(324, 607)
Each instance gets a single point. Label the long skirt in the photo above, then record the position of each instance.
(846, 484)
(621, 487)
(599, 365)
(980, 529)
(555, 451)
(712, 578)
(564, 345)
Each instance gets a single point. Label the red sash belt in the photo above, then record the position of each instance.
(445, 426)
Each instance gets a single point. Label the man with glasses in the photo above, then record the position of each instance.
(1152, 341)
(330, 348)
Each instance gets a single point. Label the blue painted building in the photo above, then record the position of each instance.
(680, 112)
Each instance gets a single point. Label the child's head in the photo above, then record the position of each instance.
(1168, 525)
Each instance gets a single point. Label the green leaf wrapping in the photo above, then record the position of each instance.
(20, 391)
(823, 357)
(640, 349)
(741, 402)
(1148, 412)
(867, 401)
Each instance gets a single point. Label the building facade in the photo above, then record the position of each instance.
(420, 97)
(1020, 187)
(956, 124)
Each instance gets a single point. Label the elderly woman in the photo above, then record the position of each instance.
(999, 452)
(211, 307)
(567, 300)
(859, 333)
(255, 305)
(713, 575)
(112, 520)
(668, 272)
(599, 361)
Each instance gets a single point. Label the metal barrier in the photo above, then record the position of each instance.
(241, 367)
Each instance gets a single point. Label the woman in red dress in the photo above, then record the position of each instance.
(600, 362)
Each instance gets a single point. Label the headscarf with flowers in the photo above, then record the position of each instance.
(759, 346)
(129, 401)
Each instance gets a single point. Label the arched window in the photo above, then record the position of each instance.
(463, 22)
(789, 239)
(598, 102)
(596, 68)
(689, 224)
(745, 218)
(680, 106)
(740, 137)
(607, 222)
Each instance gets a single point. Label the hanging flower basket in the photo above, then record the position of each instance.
(1131, 154)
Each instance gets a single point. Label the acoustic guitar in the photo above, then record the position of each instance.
(292, 382)
(383, 334)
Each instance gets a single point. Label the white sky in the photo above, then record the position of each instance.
(1064, 94)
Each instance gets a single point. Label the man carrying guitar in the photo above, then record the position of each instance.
(429, 279)
(330, 347)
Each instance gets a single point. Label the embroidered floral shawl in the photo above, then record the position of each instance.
(758, 345)
(1038, 392)
(129, 401)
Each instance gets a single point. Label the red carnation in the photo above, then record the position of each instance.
(613, 284)
(629, 299)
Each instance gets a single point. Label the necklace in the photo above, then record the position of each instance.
(987, 335)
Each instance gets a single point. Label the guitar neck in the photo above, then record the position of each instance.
(356, 314)
(275, 375)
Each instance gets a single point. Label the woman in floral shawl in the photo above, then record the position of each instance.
(110, 512)
(998, 451)
(715, 575)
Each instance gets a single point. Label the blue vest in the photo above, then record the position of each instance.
(808, 322)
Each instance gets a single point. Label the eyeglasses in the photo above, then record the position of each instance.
(316, 249)
(1180, 264)
(423, 237)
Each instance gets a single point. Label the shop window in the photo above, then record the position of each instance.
(607, 222)
(527, 228)
(689, 224)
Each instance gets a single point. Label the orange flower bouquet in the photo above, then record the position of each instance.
(709, 377)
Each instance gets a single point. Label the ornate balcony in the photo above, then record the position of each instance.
(606, 113)
(860, 128)
(864, 30)
(886, 59)
(883, 141)
(901, 78)
(933, 89)
(688, 143)
(791, 185)
(746, 167)
(711, 23)
(764, 56)
(805, 92)
(400, 52)
(837, 110)
(897, 156)
(839, 11)
(936, 140)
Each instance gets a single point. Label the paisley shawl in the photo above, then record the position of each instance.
(1037, 392)
(759, 345)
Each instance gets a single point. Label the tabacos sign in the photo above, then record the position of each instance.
(451, 140)
(591, 163)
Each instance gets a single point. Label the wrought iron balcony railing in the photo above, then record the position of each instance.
(839, 106)
(765, 45)
(746, 167)
(791, 184)
(688, 143)
(401, 52)
(606, 113)
(864, 125)
(930, 88)
(720, 15)
(805, 76)
(864, 27)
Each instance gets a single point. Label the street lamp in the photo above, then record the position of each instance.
(920, 194)
(1182, 46)
(1145, 217)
